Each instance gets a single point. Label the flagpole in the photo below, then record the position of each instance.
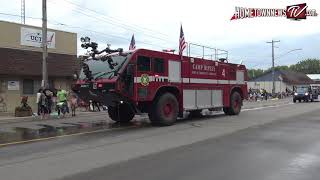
(181, 62)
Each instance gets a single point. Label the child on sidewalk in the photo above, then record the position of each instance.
(73, 103)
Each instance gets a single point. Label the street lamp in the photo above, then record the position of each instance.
(298, 49)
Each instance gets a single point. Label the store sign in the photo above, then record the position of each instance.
(13, 85)
(33, 37)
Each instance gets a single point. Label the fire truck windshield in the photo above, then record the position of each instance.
(102, 69)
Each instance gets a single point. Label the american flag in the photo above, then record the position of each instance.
(182, 43)
(132, 43)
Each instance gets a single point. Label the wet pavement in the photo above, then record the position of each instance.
(279, 142)
(287, 149)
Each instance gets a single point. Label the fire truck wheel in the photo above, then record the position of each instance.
(195, 114)
(226, 110)
(235, 104)
(122, 113)
(165, 110)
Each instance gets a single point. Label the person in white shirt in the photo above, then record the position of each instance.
(38, 100)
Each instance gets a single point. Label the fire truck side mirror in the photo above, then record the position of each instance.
(130, 69)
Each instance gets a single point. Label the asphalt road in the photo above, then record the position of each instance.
(265, 143)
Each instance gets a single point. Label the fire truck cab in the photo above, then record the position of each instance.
(161, 84)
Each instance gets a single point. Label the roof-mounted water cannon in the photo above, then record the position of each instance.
(94, 48)
(169, 50)
(223, 60)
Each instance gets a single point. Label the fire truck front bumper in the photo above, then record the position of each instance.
(105, 98)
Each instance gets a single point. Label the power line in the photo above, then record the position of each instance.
(113, 18)
(112, 23)
(15, 15)
(103, 34)
(54, 22)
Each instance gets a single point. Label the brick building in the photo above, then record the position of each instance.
(21, 62)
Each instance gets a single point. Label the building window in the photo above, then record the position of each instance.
(31, 86)
(28, 86)
(158, 65)
(143, 63)
(37, 85)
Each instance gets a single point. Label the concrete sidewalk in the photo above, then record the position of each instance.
(12, 119)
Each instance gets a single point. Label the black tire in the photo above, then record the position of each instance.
(164, 111)
(299, 100)
(294, 100)
(226, 110)
(121, 113)
(235, 103)
(312, 100)
(195, 114)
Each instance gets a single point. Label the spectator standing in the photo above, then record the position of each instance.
(96, 104)
(73, 103)
(38, 100)
(43, 101)
(54, 98)
(62, 97)
(48, 93)
(265, 94)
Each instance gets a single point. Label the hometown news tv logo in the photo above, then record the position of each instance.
(293, 12)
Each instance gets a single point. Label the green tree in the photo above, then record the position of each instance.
(308, 66)
(252, 73)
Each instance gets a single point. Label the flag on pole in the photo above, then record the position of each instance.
(182, 43)
(132, 43)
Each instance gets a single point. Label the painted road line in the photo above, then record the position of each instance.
(265, 107)
(106, 130)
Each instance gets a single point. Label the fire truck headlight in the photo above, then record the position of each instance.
(296, 94)
(121, 102)
(306, 94)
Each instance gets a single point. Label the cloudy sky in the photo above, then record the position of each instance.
(156, 25)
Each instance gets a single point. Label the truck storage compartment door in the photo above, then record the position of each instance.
(202, 99)
(174, 71)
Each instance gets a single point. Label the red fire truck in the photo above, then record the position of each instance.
(161, 84)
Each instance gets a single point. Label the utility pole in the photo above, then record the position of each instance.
(273, 75)
(23, 12)
(44, 45)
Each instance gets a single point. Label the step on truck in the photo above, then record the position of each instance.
(161, 84)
